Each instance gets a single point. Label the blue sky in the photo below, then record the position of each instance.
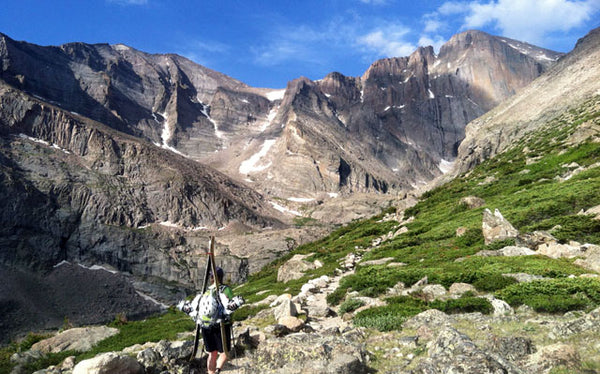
(268, 43)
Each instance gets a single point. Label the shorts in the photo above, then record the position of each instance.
(211, 336)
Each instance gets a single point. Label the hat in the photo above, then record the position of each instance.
(220, 273)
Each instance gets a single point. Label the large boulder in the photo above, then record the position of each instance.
(556, 250)
(454, 352)
(109, 363)
(294, 268)
(308, 353)
(495, 227)
(79, 339)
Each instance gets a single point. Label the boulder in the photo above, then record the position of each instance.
(495, 227)
(308, 353)
(433, 292)
(79, 339)
(554, 355)
(535, 239)
(512, 251)
(591, 258)
(472, 202)
(294, 324)
(523, 277)
(431, 318)
(594, 211)
(285, 309)
(501, 307)
(512, 348)
(294, 268)
(454, 352)
(556, 250)
(458, 289)
(109, 363)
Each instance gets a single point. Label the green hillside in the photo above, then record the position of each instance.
(541, 183)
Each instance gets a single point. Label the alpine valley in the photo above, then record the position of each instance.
(117, 165)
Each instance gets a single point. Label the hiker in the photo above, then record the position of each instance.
(209, 313)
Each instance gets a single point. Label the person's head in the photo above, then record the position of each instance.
(220, 274)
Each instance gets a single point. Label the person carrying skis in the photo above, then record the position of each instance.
(210, 310)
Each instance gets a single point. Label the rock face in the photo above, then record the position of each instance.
(407, 113)
(454, 352)
(117, 157)
(495, 227)
(530, 108)
(69, 294)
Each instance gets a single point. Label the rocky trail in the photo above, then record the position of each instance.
(302, 333)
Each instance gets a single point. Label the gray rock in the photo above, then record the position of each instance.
(512, 348)
(455, 352)
(109, 363)
(286, 308)
(495, 227)
(511, 251)
(432, 318)
(433, 292)
(77, 339)
(457, 289)
(472, 202)
(294, 268)
(308, 353)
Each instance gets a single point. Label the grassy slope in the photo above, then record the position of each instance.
(529, 195)
(527, 188)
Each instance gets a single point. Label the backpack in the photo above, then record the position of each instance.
(210, 309)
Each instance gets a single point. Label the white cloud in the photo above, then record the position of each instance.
(528, 20)
(435, 41)
(387, 41)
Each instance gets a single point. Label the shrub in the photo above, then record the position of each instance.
(554, 295)
(493, 282)
(246, 311)
(336, 296)
(463, 305)
(471, 237)
(387, 318)
(351, 305)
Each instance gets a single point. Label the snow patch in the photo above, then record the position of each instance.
(283, 209)
(169, 224)
(431, 95)
(301, 199)
(146, 297)
(41, 141)
(63, 262)
(204, 111)
(445, 166)
(121, 47)
(251, 164)
(276, 95)
(333, 195)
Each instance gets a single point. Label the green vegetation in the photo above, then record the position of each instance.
(154, 329)
(554, 295)
(533, 184)
(401, 308)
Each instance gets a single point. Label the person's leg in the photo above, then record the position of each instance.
(211, 362)
(221, 360)
(222, 356)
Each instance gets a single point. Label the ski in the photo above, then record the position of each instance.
(204, 287)
(211, 255)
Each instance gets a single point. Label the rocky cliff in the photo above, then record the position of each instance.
(395, 127)
(117, 157)
(569, 82)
